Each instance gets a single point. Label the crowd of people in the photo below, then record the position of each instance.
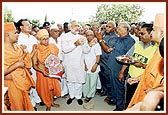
(79, 62)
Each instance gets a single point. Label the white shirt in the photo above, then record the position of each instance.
(29, 41)
(58, 44)
(90, 58)
(73, 57)
(134, 37)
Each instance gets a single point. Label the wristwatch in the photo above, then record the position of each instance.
(97, 63)
(100, 40)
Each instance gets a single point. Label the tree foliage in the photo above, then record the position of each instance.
(35, 22)
(8, 15)
(117, 13)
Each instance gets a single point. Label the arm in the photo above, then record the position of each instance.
(35, 65)
(151, 100)
(140, 65)
(94, 67)
(14, 67)
(106, 48)
(69, 45)
(33, 50)
(121, 73)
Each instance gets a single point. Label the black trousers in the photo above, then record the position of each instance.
(130, 92)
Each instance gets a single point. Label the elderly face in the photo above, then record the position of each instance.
(103, 28)
(75, 26)
(121, 29)
(54, 33)
(89, 35)
(109, 27)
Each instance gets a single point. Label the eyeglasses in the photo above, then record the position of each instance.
(141, 33)
(109, 26)
(89, 35)
(103, 28)
(56, 31)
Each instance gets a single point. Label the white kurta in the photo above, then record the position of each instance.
(63, 83)
(90, 58)
(58, 44)
(29, 41)
(73, 57)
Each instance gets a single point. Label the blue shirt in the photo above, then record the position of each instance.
(109, 39)
(121, 47)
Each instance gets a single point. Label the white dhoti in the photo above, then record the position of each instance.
(75, 90)
(33, 93)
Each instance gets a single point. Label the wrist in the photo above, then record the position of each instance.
(101, 40)
(97, 63)
(76, 43)
(143, 66)
(121, 72)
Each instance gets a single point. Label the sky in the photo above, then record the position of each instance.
(61, 12)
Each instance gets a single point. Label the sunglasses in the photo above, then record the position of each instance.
(109, 26)
(103, 28)
(141, 33)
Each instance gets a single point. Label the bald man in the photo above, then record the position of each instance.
(17, 77)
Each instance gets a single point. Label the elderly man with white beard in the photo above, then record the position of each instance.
(73, 46)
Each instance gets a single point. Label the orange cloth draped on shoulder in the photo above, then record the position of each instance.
(151, 78)
(45, 84)
(18, 87)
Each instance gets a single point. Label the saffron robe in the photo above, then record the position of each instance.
(19, 86)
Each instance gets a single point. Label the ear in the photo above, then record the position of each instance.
(21, 27)
(162, 34)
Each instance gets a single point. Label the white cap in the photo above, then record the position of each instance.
(54, 27)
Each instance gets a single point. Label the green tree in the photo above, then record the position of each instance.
(117, 13)
(8, 15)
(52, 22)
(35, 22)
(45, 18)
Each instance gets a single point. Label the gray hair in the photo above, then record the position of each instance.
(126, 25)
(112, 22)
(70, 24)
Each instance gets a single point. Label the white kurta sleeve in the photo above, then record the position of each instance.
(67, 45)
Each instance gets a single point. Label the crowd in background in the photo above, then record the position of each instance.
(86, 63)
